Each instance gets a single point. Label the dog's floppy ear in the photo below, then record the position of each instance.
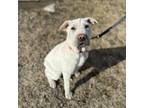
(91, 20)
(64, 25)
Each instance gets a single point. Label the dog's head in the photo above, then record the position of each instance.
(78, 30)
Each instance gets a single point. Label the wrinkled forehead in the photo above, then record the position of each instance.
(79, 21)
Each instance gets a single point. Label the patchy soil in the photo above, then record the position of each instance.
(102, 80)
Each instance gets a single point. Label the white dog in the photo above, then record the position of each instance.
(67, 57)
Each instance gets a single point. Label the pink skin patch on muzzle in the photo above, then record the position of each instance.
(82, 37)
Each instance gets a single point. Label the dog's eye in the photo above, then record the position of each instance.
(73, 28)
(86, 26)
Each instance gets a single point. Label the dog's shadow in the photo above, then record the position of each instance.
(99, 60)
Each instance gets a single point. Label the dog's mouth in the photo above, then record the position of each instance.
(84, 43)
(81, 43)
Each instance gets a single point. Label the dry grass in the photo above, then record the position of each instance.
(102, 82)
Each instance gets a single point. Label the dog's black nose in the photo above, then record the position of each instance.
(82, 37)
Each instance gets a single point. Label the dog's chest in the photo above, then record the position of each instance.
(70, 63)
(72, 58)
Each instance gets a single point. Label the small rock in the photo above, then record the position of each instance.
(50, 8)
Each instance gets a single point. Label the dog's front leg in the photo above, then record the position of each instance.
(83, 58)
(68, 93)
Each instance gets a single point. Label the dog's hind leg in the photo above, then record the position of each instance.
(51, 81)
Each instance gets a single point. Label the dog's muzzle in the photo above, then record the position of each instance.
(83, 39)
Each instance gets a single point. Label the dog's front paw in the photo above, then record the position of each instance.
(52, 84)
(77, 74)
(68, 95)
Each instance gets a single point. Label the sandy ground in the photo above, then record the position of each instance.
(102, 80)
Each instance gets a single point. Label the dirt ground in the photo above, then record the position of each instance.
(102, 80)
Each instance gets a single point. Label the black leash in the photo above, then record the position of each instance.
(109, 28)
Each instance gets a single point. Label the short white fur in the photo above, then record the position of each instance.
(66, 58)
